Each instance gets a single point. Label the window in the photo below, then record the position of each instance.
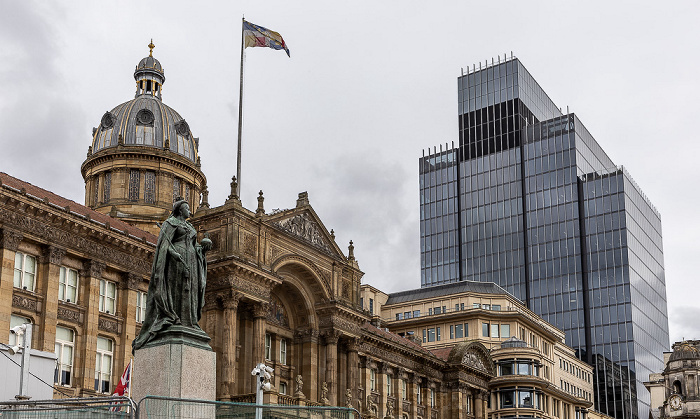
(68, 285)
(505, 330)
(496, 307)
(432, 397)
(140, 306)
(419, 394)
(485, 330)
(150, 193)
(108, 297)
(65, 342)
(268, 346)
(16, 321)
(371, 307)
(388, 384)
(372, 379)
(407, 315)
(431, 334)
(134, 184)
(424, 336)
(476, 305)
(459, 331)
(97, 190)
(283, 388)
(416, 313)
(103, 365)
(404, 390)
(399, 316)
(494, 331)
(187, 192)
(283, 351)
(176, 189)
(438, 333)
(144, 135)
(25, 271)
(108, 186)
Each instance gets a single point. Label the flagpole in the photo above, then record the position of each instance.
(240, 119)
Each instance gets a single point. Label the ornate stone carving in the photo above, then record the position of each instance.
(302, 226)
(21, 301)
(107, 121)
(337, 322)
(133, 281)
(53, 255)
(248, 285)
(249, 245)
(230, 302)
(331, 336)
(93, 268)
(182, 128)
(324, 394)
(10, 239)
(108, 325)
(71, 240)
(260, 310)
(348, 398)
(68, 314)
(298, 391)
(472, 360)
(145, 117)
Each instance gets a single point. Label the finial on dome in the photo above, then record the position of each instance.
(151, 46)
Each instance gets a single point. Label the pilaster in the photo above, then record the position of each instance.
(228, 349)
(260, 311)
(89, 296)
(331, 337)
(9, 240)
(47, 285)
(309, 364)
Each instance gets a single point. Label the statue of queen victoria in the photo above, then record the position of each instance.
(176, 289)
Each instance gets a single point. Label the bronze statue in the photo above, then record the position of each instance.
(178, 278)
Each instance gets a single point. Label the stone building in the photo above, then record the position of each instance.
(532, 373)
(280, 290)
(674, 391)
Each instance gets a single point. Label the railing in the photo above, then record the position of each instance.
(244, 398)
(76, 408)
(153, 407)
(286, 400)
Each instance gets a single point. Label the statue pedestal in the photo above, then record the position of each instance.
(178, 364)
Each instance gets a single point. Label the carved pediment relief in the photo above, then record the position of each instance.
(306, 228)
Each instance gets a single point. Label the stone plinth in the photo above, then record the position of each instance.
(174, 370)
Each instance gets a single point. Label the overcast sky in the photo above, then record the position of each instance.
(369, 85)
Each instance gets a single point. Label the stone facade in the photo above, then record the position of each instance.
(674, 391)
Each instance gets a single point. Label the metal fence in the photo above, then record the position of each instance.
(153, 407)
(94, 407)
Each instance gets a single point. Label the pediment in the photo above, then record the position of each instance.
(305, 226)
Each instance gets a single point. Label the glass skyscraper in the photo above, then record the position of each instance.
(529, 200)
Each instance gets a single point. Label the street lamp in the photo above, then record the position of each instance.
(263, 372)
(23, 331)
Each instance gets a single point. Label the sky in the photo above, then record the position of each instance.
(369, 86)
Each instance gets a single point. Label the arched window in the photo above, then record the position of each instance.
(677, 388)
(144, 127)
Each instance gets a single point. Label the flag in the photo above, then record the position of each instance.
(257, 36)
(124, 385)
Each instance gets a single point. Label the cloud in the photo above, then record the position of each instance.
(370, 201)
(684, 324)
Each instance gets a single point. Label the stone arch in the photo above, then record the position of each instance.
(473, 355)
(308, 272)
(301, 288)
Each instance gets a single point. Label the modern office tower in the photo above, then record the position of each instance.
(530, 201)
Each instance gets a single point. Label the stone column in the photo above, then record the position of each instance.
(228, 346)
(383, 378)
(126, 302)
(413, 397)
(47, 285)
(89, 296)
(331, 338)
(260, 311)
(309, 364)
(353, 378)
(401, 375)
(9, 240)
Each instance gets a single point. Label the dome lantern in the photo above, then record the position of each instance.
(149, 75)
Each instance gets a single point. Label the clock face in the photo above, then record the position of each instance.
(675, 402)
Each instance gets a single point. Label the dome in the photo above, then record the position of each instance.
(684, 350)
(145, 121)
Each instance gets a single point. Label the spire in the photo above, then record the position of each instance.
(151, 46)
(351, 251)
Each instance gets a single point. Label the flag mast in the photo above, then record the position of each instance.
(240, 118)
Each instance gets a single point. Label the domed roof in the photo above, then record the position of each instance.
(146, 120)
(684, 350)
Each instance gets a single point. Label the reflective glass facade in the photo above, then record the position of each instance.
(542, 211)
